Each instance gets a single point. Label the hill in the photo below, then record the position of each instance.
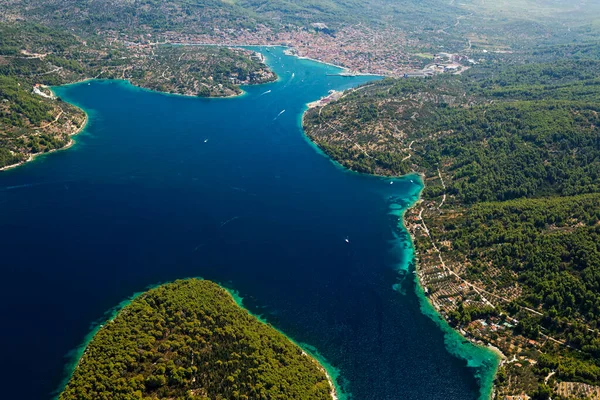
(507, 232)
(190, 340)
(386, 36)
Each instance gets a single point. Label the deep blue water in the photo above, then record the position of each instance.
(163, 187)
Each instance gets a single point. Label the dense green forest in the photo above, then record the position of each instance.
(552, 243)
(550, 247)
(490, 119)
(190, 340)
(518, 211)
(520, 149)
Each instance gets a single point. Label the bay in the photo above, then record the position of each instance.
(161, 187)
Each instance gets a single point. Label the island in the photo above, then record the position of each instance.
(189, 339)
(507, 230)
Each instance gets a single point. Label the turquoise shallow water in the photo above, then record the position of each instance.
(163, 187)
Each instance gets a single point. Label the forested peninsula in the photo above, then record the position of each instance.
(190, 340)
(507, 232)
(34, 57)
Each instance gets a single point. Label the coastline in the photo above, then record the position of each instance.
(288, 48)
(242, 92)
(258, 45)
(454, 339)
(77, 353)
(315, 358)
(69, 144)
(320, 62)
(344, 70)
(330, 372)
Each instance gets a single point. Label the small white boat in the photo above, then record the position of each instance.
(205, 140)
(347, 240)
(278, 115)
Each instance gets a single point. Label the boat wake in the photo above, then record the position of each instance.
(228, 221)
(282, 111)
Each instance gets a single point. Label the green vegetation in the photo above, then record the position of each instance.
(518, 211)
(431, 24)
(200, 16)
(51, 56)
(509, 148)
(520, 149)
(550, 248)
(198, 71)
(21, 102)
(30, 55)
(489, 119)
(31, 124)
(551, 244)
(190, 340)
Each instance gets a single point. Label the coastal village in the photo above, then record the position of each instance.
(357, 49)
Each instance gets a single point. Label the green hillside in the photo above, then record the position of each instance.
(510, 155)
(190, 340)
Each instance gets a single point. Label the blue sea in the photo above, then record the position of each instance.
(160, 187)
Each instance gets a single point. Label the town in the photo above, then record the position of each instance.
(356, 49)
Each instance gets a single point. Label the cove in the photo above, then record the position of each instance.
(163, 187)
